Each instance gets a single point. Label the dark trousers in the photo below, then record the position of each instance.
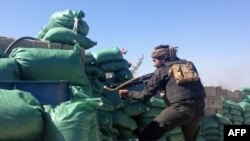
(178, 115)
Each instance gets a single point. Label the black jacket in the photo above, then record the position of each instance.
(174, 93)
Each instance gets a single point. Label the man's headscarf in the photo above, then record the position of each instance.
(164, 52)
(161, 50)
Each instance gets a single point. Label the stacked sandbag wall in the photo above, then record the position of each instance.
(214, 98)
(113, 122)
(34, 60)
(224, 107)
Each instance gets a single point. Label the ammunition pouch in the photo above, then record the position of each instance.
(183, 72)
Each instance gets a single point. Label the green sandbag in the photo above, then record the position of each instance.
(237, 120)
(106, 138)
(89, 58)
(208, 123)
(176, 130)
(70, 121)
(163, 138)
(94, 70)
(104, 119)
(121, 120)
(115, 66)
(246, 115)
(222, 119)
(96, 84)
(9, 69)
(67, 36)
(225, 110)
(246, 119)
(135, 109)
(107, 105)
(247, 97)
(21, 116)
(200, 138)
(211, 132)
(234, 112)
(143, 122)
(157, 101)
(151, 112)
(94, 134)
(245, 106)
(231, 104)
(3, 55)
(51, 64)
(108, 55)
(65, 19)
(114, 97)
(127, 134)
(212, 138)
(123, 75)
(175, 137)
(245, 90)
(81, 92)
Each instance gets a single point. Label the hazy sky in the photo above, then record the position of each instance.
(214, 34)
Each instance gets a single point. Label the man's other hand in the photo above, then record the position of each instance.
(123, 92)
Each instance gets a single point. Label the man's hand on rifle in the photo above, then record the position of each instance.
(123, 92)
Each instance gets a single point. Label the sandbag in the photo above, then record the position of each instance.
(89, 58)
(135, 109)
(81, 92)
(245, 90)
(234, 112)
(175, 137)
(51, 64)
(67, 36)
(94, 134)
(151, 112)
(246, 97)
(176, 130)
(245, 106)
(143, 122)
(200, 138)
(212, 134)
(95, 71)
(65, 19)
(246, 117)
(114, 97)
(208, 123)
(104, 119)
(108, 55)
(237, 119)
(157, 101)
(70, 121)
(114, 66)
(96, 84)
(107, 105)
(121, 120)
(21, 116)
(3, 55)
(222, 119)
(127, 134)
(231, 104)
(9, 69)
(123, 75)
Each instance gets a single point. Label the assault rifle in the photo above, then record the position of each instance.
(135, 81)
